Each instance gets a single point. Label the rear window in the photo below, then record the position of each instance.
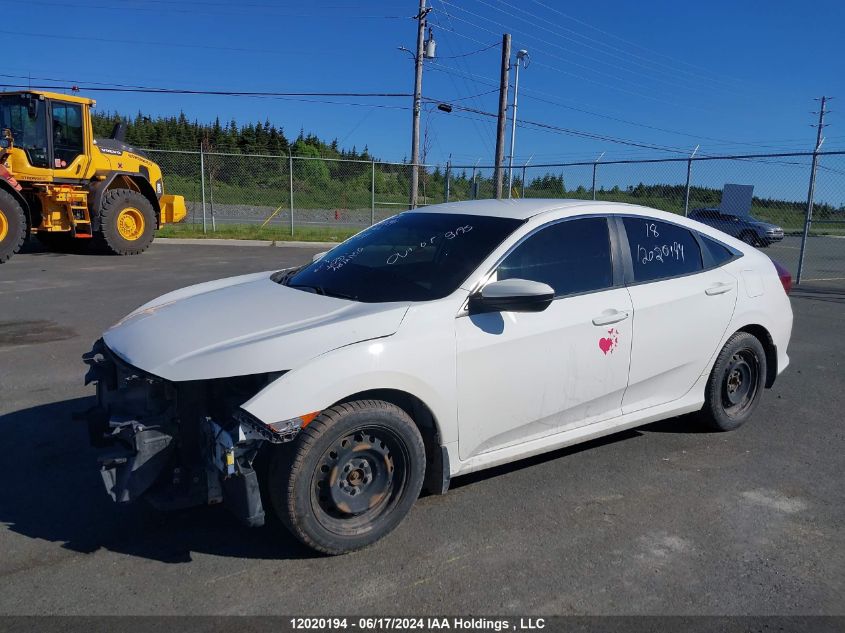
(660, 250)
(718, 252)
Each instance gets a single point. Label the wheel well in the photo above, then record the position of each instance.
(437, 464)
(133, 182)
(27, 211)
(139, 184)
(762, 335)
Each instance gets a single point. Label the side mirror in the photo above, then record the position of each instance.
(512, 295)
(318, 256)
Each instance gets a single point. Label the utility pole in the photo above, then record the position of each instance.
(520, 56)
(503, 106)
(415, 130)
(812, 190)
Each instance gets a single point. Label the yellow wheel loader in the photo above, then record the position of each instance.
(69, 189)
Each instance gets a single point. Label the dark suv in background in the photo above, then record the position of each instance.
(746, 228)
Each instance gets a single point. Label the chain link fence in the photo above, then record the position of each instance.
(316, 197)
(300, 195)
(774, 217)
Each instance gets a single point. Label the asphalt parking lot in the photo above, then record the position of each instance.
(824, 258)
(665, 519)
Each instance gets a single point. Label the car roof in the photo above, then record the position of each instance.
(524, 209)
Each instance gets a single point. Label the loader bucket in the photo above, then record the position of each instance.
(172, 209)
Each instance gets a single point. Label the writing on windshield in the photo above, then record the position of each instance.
(414, 256)
(448, 235)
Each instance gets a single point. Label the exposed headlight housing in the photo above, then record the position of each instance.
(275, 432)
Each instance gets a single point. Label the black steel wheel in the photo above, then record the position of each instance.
(736, 383)
(351, 476)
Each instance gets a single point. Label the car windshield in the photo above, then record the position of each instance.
(410, 257)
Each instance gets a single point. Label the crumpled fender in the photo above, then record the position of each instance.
(418, 359)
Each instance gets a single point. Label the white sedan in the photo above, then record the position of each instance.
(436, 343)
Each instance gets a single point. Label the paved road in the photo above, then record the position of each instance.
(824, 259)
(664, 519)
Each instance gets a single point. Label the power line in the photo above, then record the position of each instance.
(139, 42)
(616, 37)
(485, 134)
(480, 50)
(528, 94)
(628, 55)
(573, 132)
(302, 96)
(187, 91)
(577, 76)
(694, 136)
(537, 23)
(228, 9)
(568, 50)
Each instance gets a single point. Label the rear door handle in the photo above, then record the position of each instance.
(610, 316)
(719, 289)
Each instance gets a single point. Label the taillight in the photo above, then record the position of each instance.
(785, 277)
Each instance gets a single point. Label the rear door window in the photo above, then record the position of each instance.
(660, 250)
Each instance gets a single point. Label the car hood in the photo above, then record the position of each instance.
(243, 325)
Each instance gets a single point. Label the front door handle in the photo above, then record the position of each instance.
(610, 316)
(719, 289)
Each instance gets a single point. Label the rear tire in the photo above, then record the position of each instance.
(351, 476)
(127, 222)
(736, 383)
(12, 226)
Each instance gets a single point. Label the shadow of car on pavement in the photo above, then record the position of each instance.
(52, 490)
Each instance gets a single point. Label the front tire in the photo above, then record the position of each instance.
(350, 478)
(12, 226)
(127, 222)
(736, 383)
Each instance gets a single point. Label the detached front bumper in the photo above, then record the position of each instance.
(175, 445)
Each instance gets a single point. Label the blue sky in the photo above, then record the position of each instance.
(729, 76)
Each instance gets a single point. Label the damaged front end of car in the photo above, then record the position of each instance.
(179, 444)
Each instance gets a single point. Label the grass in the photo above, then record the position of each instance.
(255, 232)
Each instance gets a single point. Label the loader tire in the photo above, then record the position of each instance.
(127, 223)
(12, 226)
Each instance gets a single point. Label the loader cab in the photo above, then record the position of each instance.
(50, 135)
